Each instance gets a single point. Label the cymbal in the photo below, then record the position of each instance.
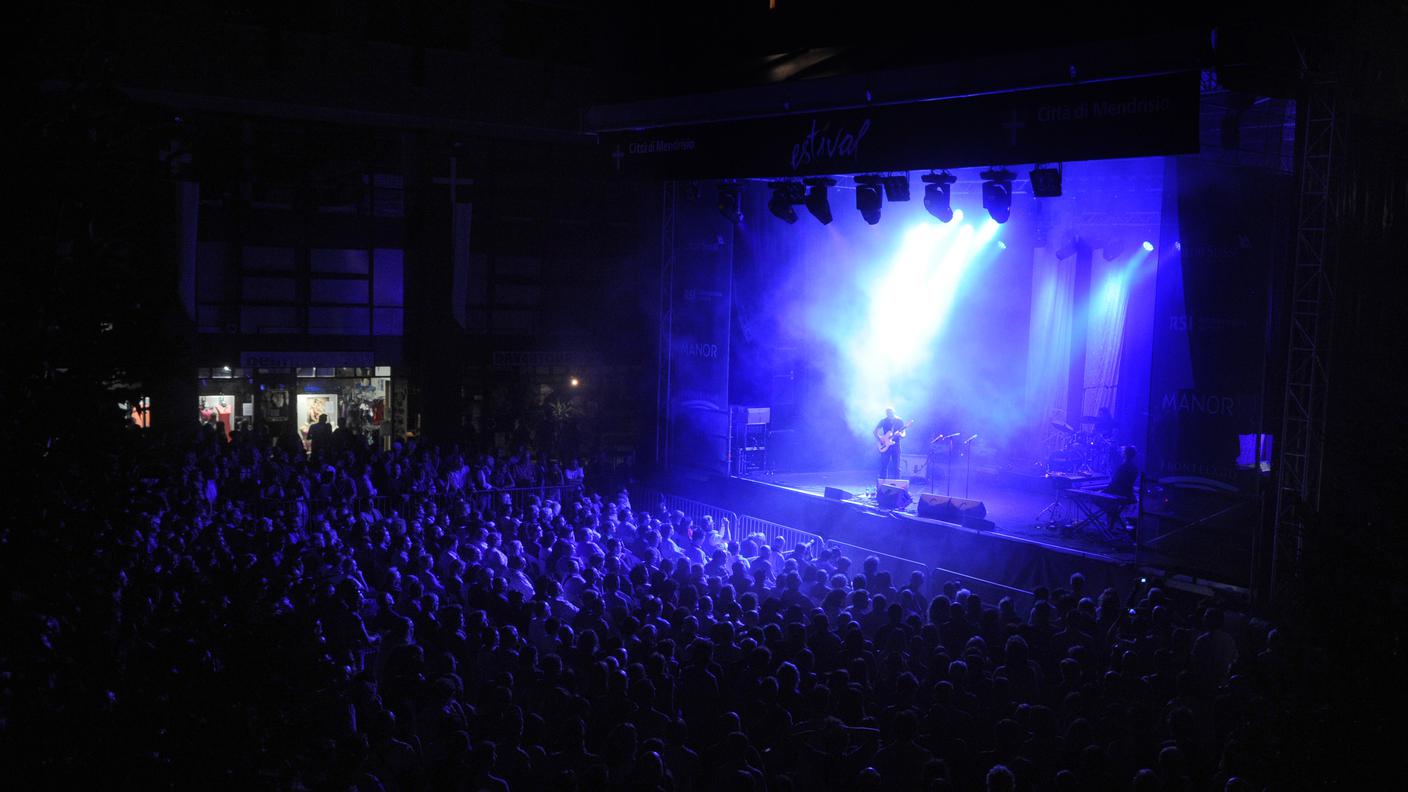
(1064, 427)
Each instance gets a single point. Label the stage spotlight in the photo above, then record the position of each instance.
(785, 195)
(1046, 182)
(1001, 245)
(816, 200)
(997, 194)
(1148, 246)
(938, 196)
(728, 203)
(869, 198)
(1178, 246)
(896, 188)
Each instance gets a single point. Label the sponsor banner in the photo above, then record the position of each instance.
(277, 360)
(1134, 117)
(699, 324)
(1209, 333)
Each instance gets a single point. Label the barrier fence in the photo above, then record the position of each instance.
(771, 532)
(651, 500)
(900, 570)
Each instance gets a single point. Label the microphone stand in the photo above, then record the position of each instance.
(948, 481)
(929, 458)
(967, 463)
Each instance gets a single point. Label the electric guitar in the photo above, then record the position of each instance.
(886, 439)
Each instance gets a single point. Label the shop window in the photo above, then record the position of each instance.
(388, 195)
(219, 410)
(388, 322)
(338, 321)
(138, 412)
(212, 272)
(268, 259)
(388, 285)
(339, 262)
(339, 292)
(217, 318)
(255, 319)
(266, 290)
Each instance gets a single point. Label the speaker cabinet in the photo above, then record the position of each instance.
(892, 493)
(954, 510)
(834, 493)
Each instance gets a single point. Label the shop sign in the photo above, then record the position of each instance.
(280, 360)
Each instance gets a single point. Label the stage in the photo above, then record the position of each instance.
(1019, 336)
(1014, 503)
(1016, 544)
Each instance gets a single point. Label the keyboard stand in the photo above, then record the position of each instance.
(1094, 510)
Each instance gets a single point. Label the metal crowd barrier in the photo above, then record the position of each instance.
(900, 570)
(648, 500)
(771, 532)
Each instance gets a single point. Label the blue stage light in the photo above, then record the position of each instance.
(938, 194)
(785, 196)
(869, 198)
(997, 194)
(817, 202)
(1149, 247)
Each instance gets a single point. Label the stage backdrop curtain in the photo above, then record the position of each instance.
(1049, 341)
(1109, 301)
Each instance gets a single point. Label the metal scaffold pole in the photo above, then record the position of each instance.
(1308, 351)
(665, 332)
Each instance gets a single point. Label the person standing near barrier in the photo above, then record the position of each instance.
(574, 475)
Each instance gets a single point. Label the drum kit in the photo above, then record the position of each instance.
(1088, 450)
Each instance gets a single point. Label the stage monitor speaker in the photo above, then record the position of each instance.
(751, 416)
(954, 510)
(834, 493)
(892, 493)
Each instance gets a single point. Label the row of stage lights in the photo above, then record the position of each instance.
(872, 191)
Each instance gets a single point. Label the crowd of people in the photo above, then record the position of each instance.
(245, 616)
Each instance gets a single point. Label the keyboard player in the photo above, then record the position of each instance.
(1122, 484)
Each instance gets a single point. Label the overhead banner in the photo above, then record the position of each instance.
(1136, 117)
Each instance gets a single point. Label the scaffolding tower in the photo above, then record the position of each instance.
(1308, 351)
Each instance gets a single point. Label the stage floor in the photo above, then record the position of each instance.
(1014, 505)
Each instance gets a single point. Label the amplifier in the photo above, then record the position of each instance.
(751, 416)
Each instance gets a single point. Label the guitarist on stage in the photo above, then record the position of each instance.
(887, 436)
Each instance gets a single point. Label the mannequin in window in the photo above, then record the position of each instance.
(222, 413)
